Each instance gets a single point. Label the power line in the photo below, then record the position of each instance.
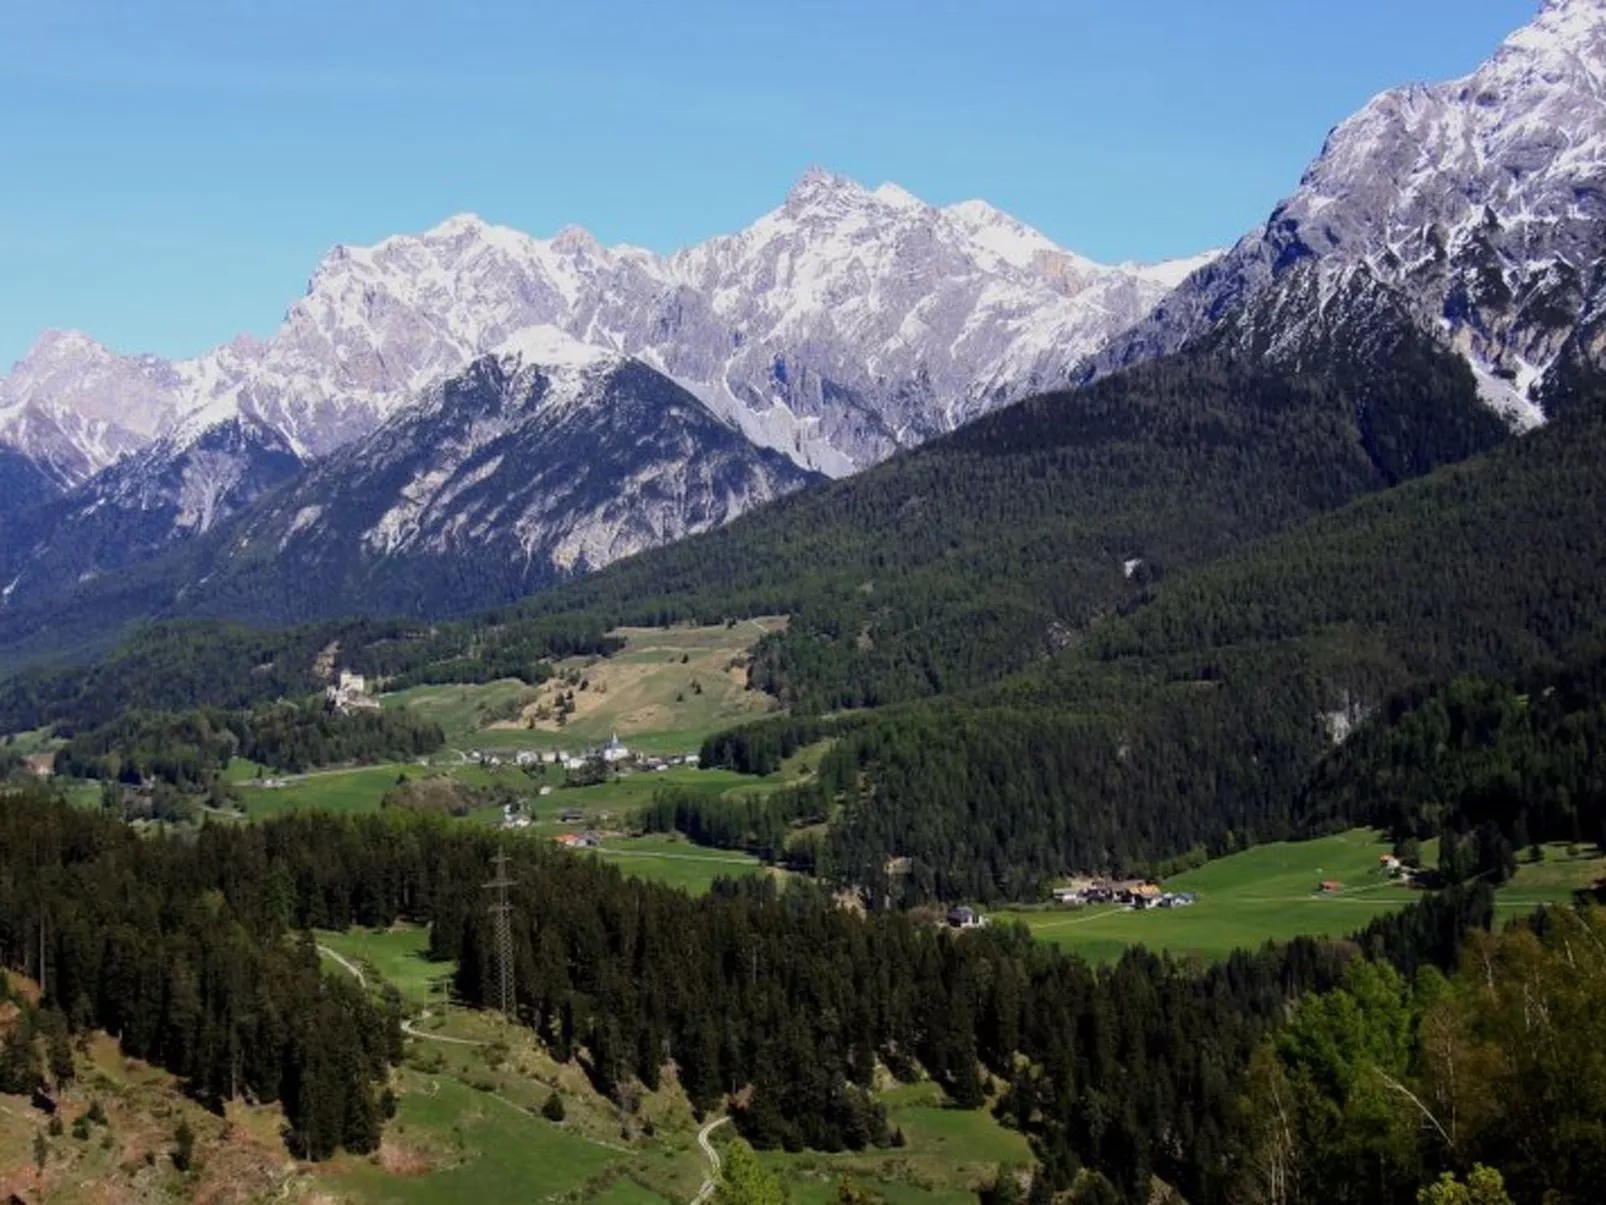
(501, 910)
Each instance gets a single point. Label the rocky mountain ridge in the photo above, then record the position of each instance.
(842, 325)
(1479, 205)
(543, 459)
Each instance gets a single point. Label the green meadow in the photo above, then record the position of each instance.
(1271, 893)
(948, 1154)
(676, 862)
(454, 1143)
(395, 956)
(1268, 893)
(346, 791)
(665, 692)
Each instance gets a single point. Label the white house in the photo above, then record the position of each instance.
(350, 693)
(613, 751)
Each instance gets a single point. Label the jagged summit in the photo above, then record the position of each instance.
(1477, 205)
(811, 331)
(842, 325)
(549, 347)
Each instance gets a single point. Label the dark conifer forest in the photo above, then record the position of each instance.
(187, 951)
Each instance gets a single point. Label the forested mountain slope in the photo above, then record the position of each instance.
(784, 1008)
(981, 552)
(137, 508)
(787, 1009)
(1198, 717)
(22, 483)
(1523, 759)
(955, 563)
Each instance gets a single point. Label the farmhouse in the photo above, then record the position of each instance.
(572, 815)
(965, 918)
(578, 840)
(40, 765)
(1144, 895)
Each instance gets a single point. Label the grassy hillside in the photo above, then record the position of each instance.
(664, 691)
(239, 1158)
(1270, 893)
(466, 1126)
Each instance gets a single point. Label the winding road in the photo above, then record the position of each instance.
(704, 1137)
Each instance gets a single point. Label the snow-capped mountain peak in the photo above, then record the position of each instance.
(841, 325)
(889, 193)
(1012, 241)
(127, 390)
(73, 406)
(1564, 32)
(1172, 272)
(1477, 205)
(547, 346)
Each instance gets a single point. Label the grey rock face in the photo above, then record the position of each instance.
(543, 459)
(138, 507)
(1479, 204)
(841, 326)
(72, 406)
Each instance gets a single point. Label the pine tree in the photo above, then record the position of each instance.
(183, 1146)
(743, 1180)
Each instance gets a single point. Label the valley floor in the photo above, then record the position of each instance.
(1273, 893)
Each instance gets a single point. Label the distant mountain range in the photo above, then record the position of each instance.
(385, 430)
(836, 329)
(840, 327)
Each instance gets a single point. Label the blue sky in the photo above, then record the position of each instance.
(172, 169)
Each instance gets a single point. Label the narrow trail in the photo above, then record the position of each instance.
(703, 1140)
(362, 980)
(408, 1028)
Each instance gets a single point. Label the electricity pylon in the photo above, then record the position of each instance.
(501, 910)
